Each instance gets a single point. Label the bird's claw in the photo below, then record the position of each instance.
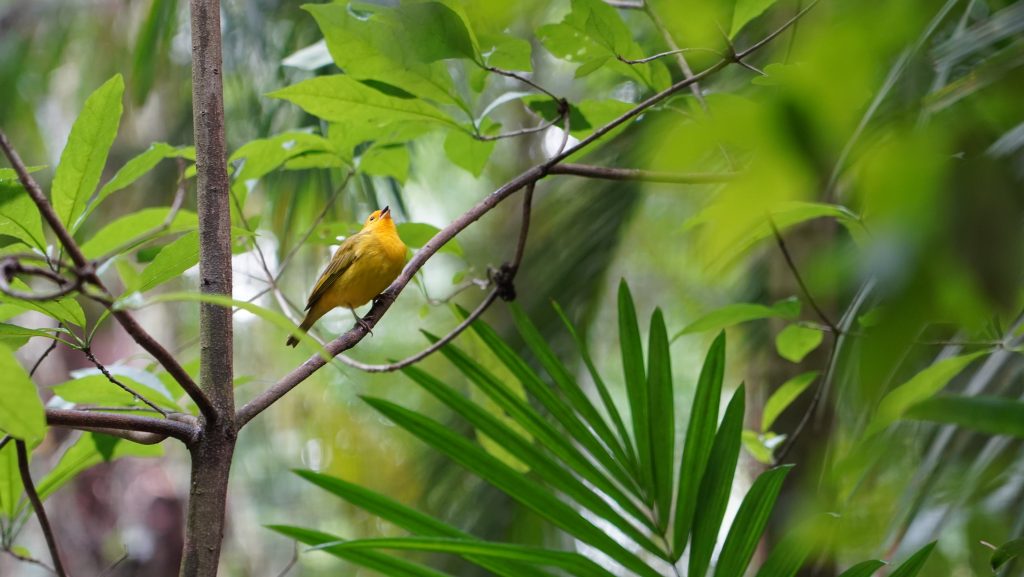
(365, 325)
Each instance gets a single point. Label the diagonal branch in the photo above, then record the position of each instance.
(349, 339)
(37, 504)
(182, 430)
(87, 272)
(106, 373)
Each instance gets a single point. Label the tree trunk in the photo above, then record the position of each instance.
(211, 454)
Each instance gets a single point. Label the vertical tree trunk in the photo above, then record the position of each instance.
(211, 454)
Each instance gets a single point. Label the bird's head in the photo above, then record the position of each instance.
(379, 219)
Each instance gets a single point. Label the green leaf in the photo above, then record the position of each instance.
(437, 32)
(386, 160)
(122, 232)
(735, 314)
(386, 565)
(265, 155)
(524, 451)
(591, 66)
(65, 310)
(529, 493)
(341, 98)
(574, 563)
(788, 555)
(1007, 552)
(700, 435)
(89, 450)
(572, 391)
(152, 46)
(16, 333)
(507, 52)
(139, 166)
(10, 176)
(745, 11)
(405, 517)
(85, 154)
(21, 412)
(467, 152)
(92, 387)
(661, 409)
(417, 234)
(716, 485)
(784, 396)
(912, 566)
(562, 445)
(990, 415)
(919, 388)
(749, 523)
(795, 342)
(761, 446)
(602, 389)
(19, 217)
(377, 48)
(172, 261)
(636, 381)
(864, 569)
(10, 481)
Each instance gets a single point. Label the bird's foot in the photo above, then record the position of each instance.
(365, 325)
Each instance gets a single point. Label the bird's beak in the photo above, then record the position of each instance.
(386, 211)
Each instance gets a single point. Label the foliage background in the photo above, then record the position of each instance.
(837, 119)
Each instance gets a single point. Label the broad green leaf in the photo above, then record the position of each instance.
(749, 523)
(864, 569)
(341, 98)
(795, 342)
(920, 387)
(784, 396)
(716, 485)
(139, 166)
(265, 155)
(124, 231)
(66, 310)
(377, 48)
(745, 11)
(96, 389)
(507, 52)
(636, 381)
(524, 451)
(467, 152)
(90, 449)
(1007, 552)
(700, 436)
(578, 432)
(661, 409)
(912, 566)
(591, 66)
(15, 333)
(990, 415)
(10, 481)
(172, 261)
(417, 234)
(19, 217)
(529, 493)
(21, 411)
(10, 176)
(409, 519)
(386, 160)
(602, 388)
(85, 154)
(437, 31)
(735, 314)
(574, 563)
(384, 564)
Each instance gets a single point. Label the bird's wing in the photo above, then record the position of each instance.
(341, 262)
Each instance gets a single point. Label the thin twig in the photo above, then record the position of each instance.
(799, 279)
(316, 222)
(684, 66)
(11, 266)
(626, 4)
(42, 357)
(4, 441)
(607, 173)
(521, 132)
(37, 504)
(523, 79)
(666, 53)
(292, 562)
(26, 559)
(796, 18)
(383, 303)
(106, 373)
(87, 271)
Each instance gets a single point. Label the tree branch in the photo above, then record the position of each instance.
(800, 280)
(87, 272)
(106, 373)
(606, 173)
(349, 339)
(37, 504)
(180, 429)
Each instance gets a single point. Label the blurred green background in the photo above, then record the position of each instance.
(907, 115)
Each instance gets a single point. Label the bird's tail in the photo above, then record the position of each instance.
(304, 327)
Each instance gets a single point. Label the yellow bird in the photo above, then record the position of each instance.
(362, 267)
